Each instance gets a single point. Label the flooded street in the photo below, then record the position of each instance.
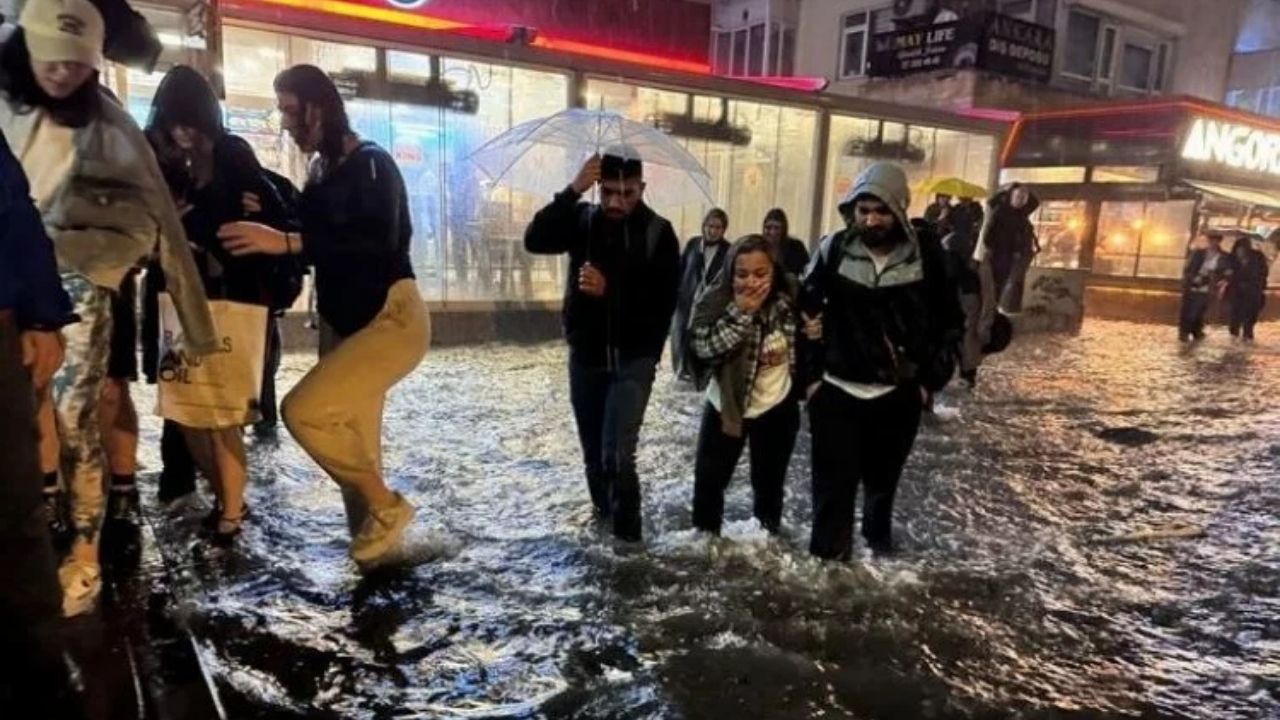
(1095, 533)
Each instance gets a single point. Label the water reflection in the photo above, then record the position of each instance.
(1093, 534)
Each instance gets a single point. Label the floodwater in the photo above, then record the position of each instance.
(1094, 533)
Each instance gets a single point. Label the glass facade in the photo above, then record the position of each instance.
(1143, 239)
(774, 168)
(467, 234)
(924, 152)
(1060, 226)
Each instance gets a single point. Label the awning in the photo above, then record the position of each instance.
(1246, 196)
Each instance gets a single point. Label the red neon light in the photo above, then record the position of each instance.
(1188, 104)
(628, 56)
(1012, 142)
(493, 32)
(1182, 104)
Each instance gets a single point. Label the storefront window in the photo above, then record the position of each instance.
(1164, 239)
(1042, 175)
(773, 169)
(484, 256)
(1060, 226)
(1119, 227)
(927, 154)
(467, 235)
(1143, 239)
(1126, 174)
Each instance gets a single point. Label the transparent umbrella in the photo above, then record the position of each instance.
(542, 156)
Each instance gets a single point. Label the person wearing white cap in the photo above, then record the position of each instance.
(104, 204)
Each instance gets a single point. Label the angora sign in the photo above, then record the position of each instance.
(1237, 146)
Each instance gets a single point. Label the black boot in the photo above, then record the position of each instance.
(55, 514)
(626, 507)
(600, 485)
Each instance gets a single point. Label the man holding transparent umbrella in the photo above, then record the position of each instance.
(624, 272)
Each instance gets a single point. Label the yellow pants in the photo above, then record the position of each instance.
(335, 412)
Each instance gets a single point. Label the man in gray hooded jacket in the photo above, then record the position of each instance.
(886, 341)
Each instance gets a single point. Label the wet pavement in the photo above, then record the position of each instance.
(1094, 533)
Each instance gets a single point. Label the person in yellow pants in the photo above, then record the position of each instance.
(374, 329)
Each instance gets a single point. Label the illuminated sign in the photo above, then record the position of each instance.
(1237, 146)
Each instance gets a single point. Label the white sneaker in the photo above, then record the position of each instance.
(381, 531)
(81, 584)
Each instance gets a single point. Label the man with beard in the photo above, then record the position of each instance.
(882, 327)
(624, 274)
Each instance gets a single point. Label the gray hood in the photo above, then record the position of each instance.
(888, 182)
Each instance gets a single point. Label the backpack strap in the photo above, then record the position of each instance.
(653, 235)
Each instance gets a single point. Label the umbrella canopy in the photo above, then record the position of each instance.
(542, 156)
(952, 186)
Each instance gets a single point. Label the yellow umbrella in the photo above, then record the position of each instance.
(952, 186)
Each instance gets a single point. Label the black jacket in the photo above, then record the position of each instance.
(247, 279)
(235, 171)
(1008, 230)
(640, 259)
(899, 327)
(695, 272)
(795, 257)
(1248, 281)
(965, 222)
(1193, 280)
(357, 231)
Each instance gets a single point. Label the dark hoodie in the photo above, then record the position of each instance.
(793, 253)
(1008, 231)
(898, 326)
(186, 98)
(640, 259)
(1247, 285)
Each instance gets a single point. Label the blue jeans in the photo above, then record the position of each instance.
(609, 407)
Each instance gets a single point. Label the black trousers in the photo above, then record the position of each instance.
(772, 438)
(178, 471)
(858, 442)
(31, 666)
(1245, 309)
(1195, 305)
(268, 405)
(609, 407)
